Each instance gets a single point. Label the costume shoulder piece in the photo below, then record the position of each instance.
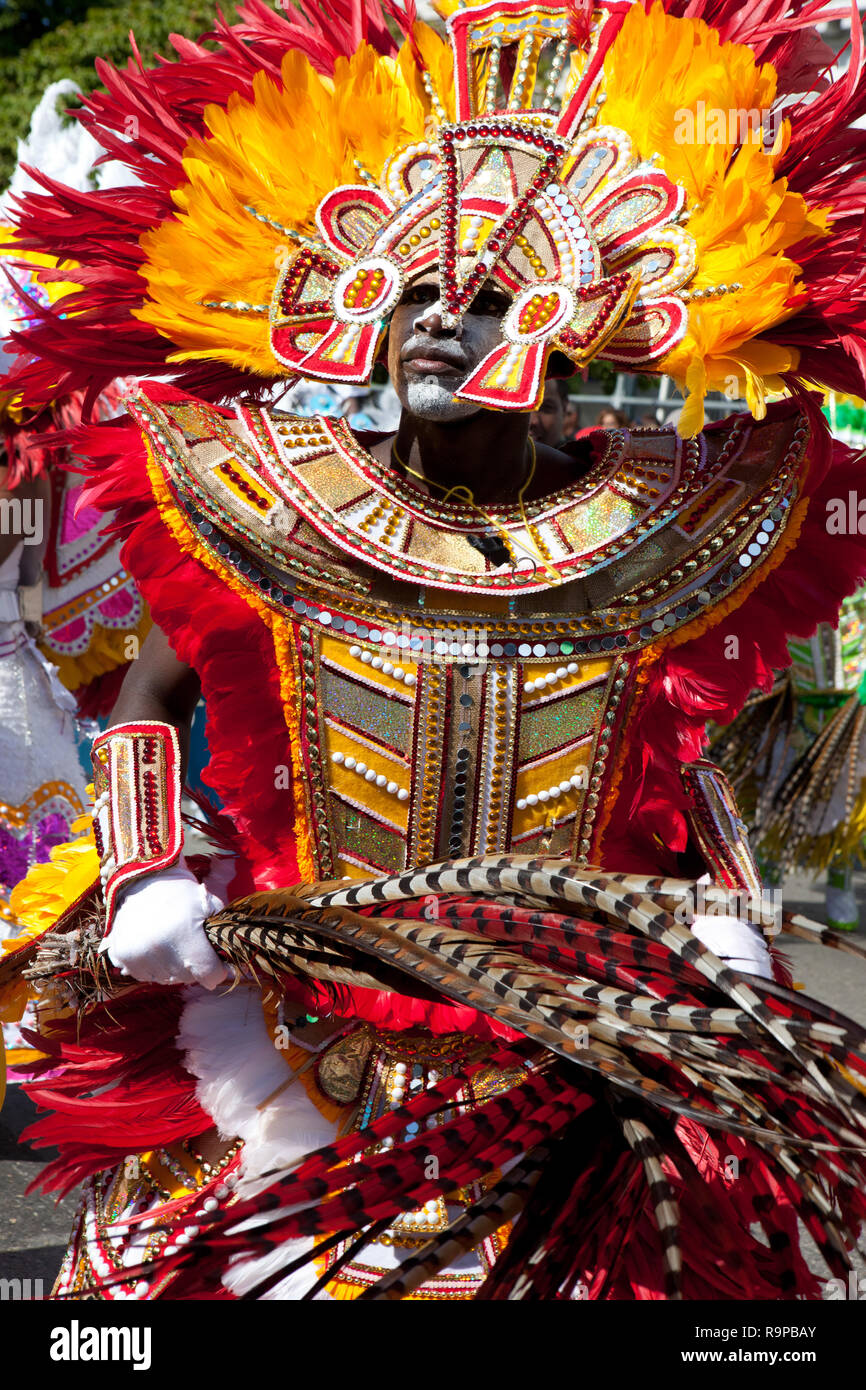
(91, 606)
(393, 664)
(657, 531)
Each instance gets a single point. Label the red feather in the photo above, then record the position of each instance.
(117, 1085)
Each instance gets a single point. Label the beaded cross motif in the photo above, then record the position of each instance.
(523, 188)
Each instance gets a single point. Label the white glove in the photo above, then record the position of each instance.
(739, 944)
(157, 934)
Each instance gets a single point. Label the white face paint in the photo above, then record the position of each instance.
(428, 399)
(429, 363)
(437, 308)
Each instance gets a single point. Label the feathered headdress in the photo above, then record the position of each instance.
(25, 432)
(673, 186)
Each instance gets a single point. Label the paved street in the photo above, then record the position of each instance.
(33, 1230)
(834, 977)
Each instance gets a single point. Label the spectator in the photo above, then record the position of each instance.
(571, 419)
(610, 419)
(353, 410)
(607, 419)
(546, 423)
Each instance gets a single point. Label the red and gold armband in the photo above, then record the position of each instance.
(719, 829)
(136, 810)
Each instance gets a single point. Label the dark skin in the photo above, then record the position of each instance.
(547, 422)
(458, 453)
(161, 687)
(448, 453)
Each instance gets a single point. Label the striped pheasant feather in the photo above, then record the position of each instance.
(624, 1015)
(460, 966)
(501, 1203)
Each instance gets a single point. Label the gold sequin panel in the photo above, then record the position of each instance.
(426, 761)
(561, 717)
(366, 755)
(559, 721)
(360, 707)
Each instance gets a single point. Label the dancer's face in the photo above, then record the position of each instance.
(428, 362)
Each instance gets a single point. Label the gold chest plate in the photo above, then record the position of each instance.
(440, 706)
(419, 760)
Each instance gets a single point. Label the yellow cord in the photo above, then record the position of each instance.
(468, 497)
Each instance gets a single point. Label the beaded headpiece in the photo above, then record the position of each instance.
(293, 177)
(522, 188)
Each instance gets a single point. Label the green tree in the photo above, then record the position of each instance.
(42, 42)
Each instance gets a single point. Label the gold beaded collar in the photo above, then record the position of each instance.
(306, 497)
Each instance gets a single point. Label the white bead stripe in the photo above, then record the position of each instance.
(552, 678)
(378, 663)
(576, 783)
(379, 779)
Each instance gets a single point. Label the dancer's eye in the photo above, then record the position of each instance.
(420, 294)
(490, 303)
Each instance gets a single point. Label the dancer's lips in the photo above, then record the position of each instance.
(433, 361)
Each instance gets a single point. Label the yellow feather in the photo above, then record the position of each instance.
(664, 80)
(681, 92)
(41, 898)
(279, 152)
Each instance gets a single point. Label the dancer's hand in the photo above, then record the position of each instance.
(738, 943)
(158, 931)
